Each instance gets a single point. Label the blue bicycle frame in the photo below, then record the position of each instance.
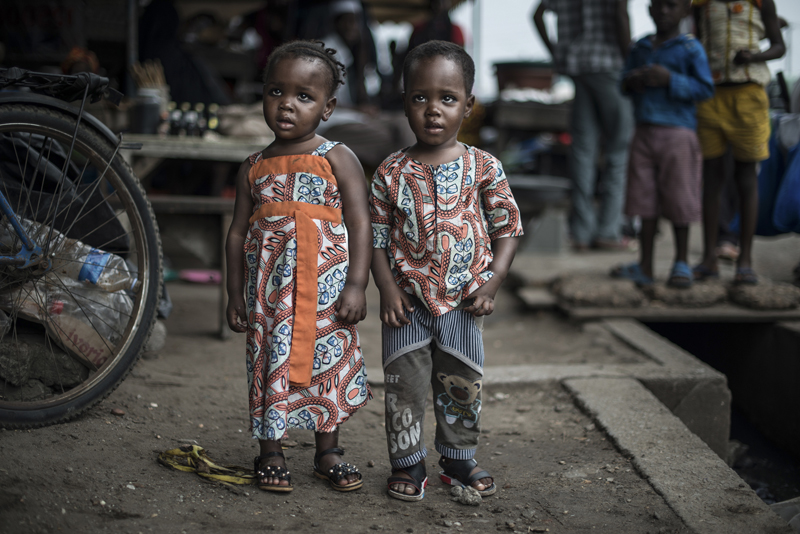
(30, 254)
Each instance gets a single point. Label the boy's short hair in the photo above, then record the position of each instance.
(444, 49)
(310, 50)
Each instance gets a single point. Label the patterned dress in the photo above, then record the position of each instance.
(304, 367)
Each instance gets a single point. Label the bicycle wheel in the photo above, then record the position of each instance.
(72, 327)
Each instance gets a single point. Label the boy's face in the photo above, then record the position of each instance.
(436, 101)
(296, 98)
(667, 14)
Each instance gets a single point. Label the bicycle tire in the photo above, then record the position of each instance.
(130, 210)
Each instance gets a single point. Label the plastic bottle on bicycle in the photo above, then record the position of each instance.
(76, 260)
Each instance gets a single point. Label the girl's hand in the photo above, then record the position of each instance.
(237, 315)
(351, 306)
(394, 304)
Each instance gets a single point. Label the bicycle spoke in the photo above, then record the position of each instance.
(100, 179)
(86, 315)
(48, 320)
(52, 352)
(62, 286)
(50, 142)
(72, 184)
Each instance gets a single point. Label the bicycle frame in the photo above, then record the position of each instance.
(61, 88)
(30, 254)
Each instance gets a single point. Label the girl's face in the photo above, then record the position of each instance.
(436, 101)
(296, 98)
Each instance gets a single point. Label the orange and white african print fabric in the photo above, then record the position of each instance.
(304, 367)
(437, 223)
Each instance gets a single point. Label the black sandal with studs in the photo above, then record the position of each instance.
(272, 471)
(337, 472)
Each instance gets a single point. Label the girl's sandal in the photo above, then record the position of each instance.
(272, 471)
(419, 480)
(457, 473)
(337, 472)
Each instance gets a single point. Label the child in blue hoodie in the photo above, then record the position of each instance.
(666, 74)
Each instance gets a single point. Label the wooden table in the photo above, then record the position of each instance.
(220, 149)
(156, 148)
(221, 208)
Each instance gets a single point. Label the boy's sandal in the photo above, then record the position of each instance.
(745, 276)
(272, 471)
(632, 271)
(681, 276)
(337, 472)
(701, 273)
(418, 480)
(457, 473)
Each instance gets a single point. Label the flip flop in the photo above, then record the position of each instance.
(338, 471)
(457, 473)
(702, 273)
(419, 480)
(194, 459)
(745, 276)
(632, 271)
(681, 276)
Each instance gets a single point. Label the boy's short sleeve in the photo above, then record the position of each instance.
(499, 207)
(380, 208)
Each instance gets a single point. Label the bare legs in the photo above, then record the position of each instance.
(648, 235)
(747, 185)
(330, 440)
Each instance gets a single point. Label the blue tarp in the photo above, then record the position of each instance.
(778, 188)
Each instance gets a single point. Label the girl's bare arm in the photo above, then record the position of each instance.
(351, 305)
(234, 251)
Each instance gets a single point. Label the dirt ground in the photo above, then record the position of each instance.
(555, 471)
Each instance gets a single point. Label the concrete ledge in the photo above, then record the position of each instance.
(692, 390)
(702, 490)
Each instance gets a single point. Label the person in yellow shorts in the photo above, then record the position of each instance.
(737, 116)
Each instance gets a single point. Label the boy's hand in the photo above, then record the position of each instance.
(656, 76)
(743, 57)
(394, 304)
(483, 298)
(634, 81)
(351, 306)
(237, 315)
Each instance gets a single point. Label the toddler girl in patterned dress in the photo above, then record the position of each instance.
(298, 255)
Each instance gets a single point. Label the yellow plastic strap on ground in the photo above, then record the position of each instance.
(193, 458)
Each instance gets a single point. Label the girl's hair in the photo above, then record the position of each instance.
(450, 51)
(310, 50)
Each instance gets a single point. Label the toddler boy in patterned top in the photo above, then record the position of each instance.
(445, 226)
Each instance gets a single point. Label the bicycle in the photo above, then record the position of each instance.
(80, 252)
